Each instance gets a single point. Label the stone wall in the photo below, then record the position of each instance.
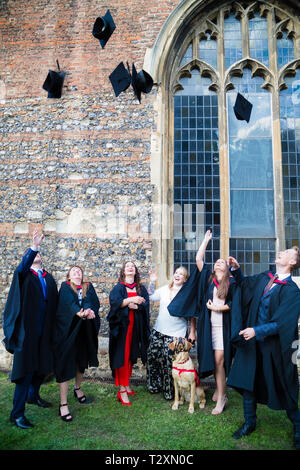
(80, 185)
(78, 167)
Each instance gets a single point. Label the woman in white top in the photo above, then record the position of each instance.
(166, 328)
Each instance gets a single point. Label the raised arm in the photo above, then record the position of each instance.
(30, 255)
(202, 249)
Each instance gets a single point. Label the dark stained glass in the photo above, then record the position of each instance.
(196, 171)
(290, 139)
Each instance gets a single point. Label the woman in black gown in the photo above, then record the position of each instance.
(128, 328)
(76, 336)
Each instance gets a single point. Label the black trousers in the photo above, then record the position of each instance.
(249, 404)
(26, 389)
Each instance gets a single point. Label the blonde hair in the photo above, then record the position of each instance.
(186, 274)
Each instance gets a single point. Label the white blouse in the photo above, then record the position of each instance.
(165, 323)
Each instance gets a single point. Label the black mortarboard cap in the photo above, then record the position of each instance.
(103, 28)
(141, 82)
(54, 83)
(242, 108)
(120, 79)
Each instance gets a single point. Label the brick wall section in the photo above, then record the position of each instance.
(34, 34)
(66, 163)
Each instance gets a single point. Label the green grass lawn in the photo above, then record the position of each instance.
(149, 424)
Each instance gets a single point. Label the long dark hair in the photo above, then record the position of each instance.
(137, 277)
(223, 288)
(84, 285)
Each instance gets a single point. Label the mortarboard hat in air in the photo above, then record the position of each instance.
(103, 28)
(54, 83)
(120, 79)
(242, 108)
(141, 82)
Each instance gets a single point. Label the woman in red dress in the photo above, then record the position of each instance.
(129, 328)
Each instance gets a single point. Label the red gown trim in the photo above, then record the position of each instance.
(123, 374)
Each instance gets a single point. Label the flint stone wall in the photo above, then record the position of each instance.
(78, 167)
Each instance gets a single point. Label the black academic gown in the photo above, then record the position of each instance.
(118, 319)
(268, 368)
(32, 353)
(75, 339)
(191, 302)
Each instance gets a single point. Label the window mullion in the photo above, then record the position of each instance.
(223, 147)
(277, 149)
(245, 35)
(196, 47)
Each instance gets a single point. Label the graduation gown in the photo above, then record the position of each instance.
(75, 339)
(32, 352)
(266, 368)
(118, 319)
(191, 302)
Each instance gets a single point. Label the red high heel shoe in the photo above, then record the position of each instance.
(119, 398)
(130, 393)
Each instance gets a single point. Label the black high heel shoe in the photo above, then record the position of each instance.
(82, 400)
(65, 417)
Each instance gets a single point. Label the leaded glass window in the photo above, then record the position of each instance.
(251, 162)
(258, 39)
(231, 174)
(196, 169)
(290, 141)
(232, 40)
(208, 50)
(188, 55)
(285, 50)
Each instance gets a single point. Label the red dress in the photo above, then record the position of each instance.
(123, 374)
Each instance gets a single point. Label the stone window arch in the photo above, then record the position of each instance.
(252, 47)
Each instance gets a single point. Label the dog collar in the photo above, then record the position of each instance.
(181, 362)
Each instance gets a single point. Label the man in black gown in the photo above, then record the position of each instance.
(265, 369)
(28, 329)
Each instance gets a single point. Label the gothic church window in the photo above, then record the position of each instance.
(228, 173)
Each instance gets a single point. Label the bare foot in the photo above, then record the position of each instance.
(220, 406)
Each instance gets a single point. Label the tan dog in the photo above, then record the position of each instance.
(186, 380)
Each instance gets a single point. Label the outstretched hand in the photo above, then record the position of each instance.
(208, 236)
(37, 239)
